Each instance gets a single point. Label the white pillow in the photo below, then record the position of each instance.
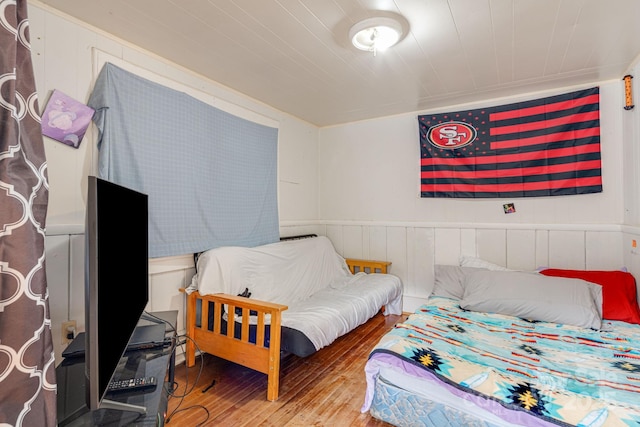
(533, 296)
(449, 280)
(468, 261)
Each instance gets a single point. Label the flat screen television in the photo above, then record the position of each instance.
(116, 282)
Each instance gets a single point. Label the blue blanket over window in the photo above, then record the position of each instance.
(211, 176)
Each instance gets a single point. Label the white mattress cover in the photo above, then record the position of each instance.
(282, 272)
(325, 300)
(434, 391)
(345, 305)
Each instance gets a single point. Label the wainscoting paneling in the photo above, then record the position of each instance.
(57, 267)
(377, 243)
(492, 245)
(164, 291)
(601, 248)
(522, 249)
(76, 281)
(567, 249)
(542, 247)
(336, 235)
(397, 252)
(448, 245)
(420, 244)
(413, 249)
(468, 244)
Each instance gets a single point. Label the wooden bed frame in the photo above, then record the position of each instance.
(240, 350)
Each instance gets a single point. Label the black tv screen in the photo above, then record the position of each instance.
(116, 278)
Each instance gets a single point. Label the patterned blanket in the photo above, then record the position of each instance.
(562, 374)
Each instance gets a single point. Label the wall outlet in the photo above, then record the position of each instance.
(68, 331)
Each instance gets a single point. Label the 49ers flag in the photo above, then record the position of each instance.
(545, 147)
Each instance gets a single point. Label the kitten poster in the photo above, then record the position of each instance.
(65, 119)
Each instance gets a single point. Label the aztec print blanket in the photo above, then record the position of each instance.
(562, 374)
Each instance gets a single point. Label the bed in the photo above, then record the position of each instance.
(291, 297)
(506, 348)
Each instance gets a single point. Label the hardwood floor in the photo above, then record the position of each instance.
(324, 389)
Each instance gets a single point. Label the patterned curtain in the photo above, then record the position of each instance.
(27, 369)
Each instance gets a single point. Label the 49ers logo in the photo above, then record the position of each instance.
(451, 135)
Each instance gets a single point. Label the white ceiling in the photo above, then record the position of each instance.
(294, 54)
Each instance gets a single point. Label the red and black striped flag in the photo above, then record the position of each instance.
(545, 147)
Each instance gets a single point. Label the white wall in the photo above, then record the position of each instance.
(369, 199)
(631, 178)
(631, 153)
(369, 171)
(64, 49)
(355, 183)
(415, 248)
(66, 57)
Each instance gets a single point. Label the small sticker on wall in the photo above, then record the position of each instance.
(65, 119)
(509, 208)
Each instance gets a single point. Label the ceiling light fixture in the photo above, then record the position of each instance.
(375, 34)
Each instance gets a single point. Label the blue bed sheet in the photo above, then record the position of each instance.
(561, 374)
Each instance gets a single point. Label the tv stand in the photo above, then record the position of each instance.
(151, 317)
(146, 407)
(120, 406)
